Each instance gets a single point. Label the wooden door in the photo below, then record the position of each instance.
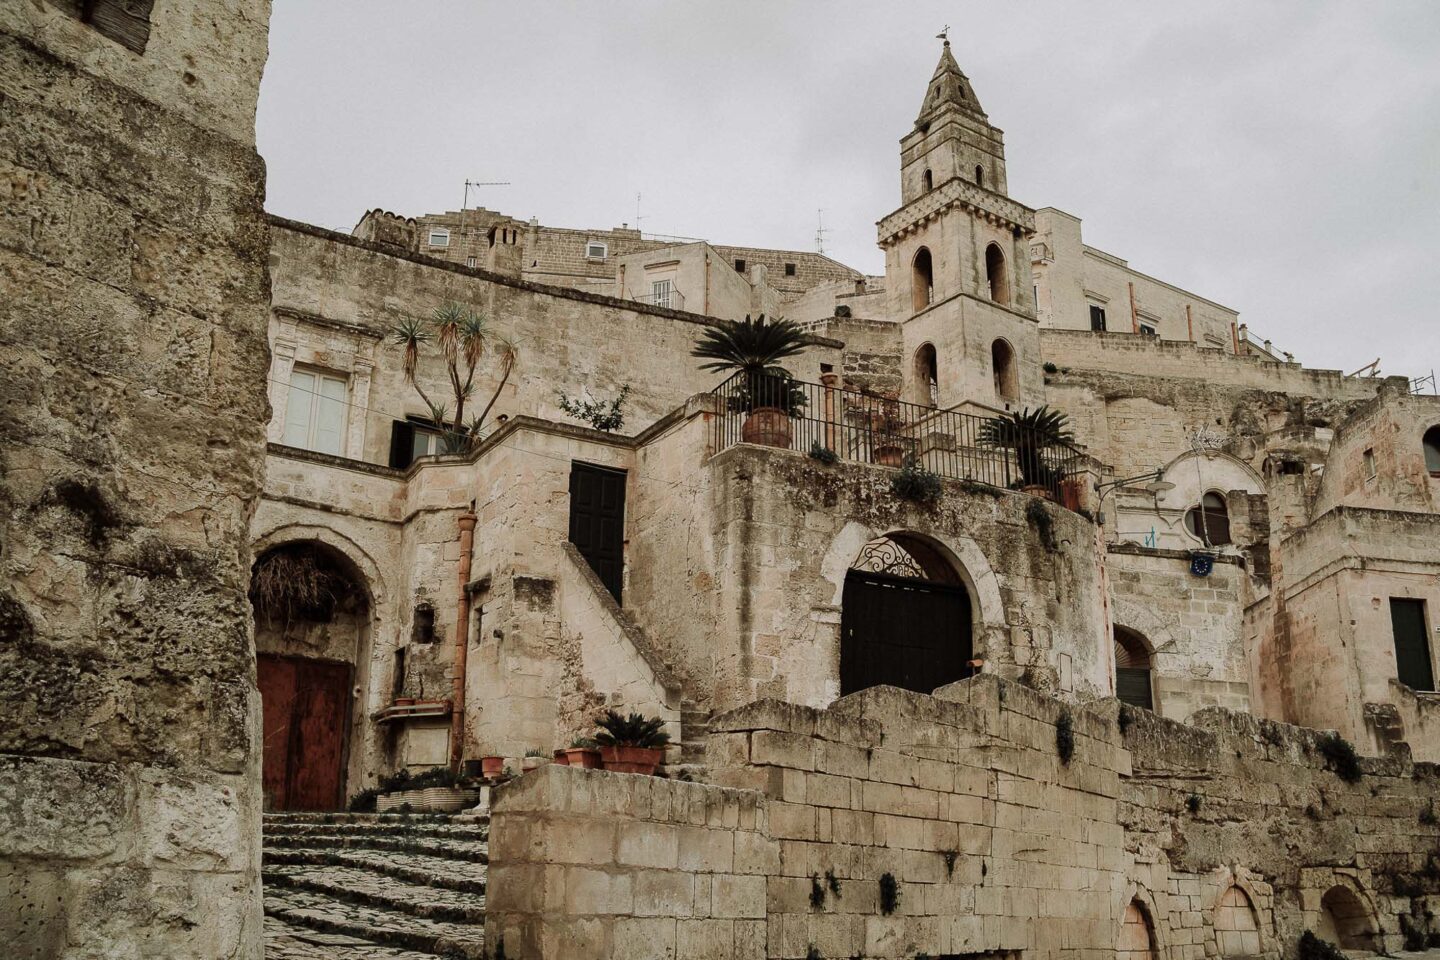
(597, 521)
(903, 631)
(1412, 646)
(306, 706)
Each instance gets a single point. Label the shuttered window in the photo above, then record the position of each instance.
(1132, 670)
(315, 412)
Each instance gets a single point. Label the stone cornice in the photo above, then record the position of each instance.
(955, 192)
(315, 319)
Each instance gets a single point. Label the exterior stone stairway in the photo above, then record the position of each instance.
(694, 730)
(412, 882)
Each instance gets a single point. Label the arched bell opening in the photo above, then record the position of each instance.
(906, 617)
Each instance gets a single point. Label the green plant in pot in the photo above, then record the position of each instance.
(1030, 433)
(583, 752)
(631, 743)
(762, 389)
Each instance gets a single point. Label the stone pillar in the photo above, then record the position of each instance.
(134, 297)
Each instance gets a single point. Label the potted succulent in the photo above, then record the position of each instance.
(761, 389)
(631, 744)
(533, 758)
(1030, 433)
(583, 752)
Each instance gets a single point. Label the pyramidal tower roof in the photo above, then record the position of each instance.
(949, 87)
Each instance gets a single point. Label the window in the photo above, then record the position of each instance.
(789, 269)
(470, 262)
(412, 439)
(127, 22)
(1097, 318)
(439, 237)
(1370, 464)
(1149, 329)
(995, 274)
(739, 265)
(927, 375)
(1209, 520)
(1412, 644)
(928, 181)
(979, 175)
(1132, 669)
(315, 412)
(660, 293)
(1002, 368)
(1432, 450)
(922, 278)
(423, 630)
(595, 250)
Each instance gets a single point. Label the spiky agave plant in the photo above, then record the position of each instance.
(1029, 433)
(754, 348)
(463, 337)
(634, 730)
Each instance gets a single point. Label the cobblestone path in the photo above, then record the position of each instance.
(374, 886)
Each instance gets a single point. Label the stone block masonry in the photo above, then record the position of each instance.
(894, 824)
(133, 307)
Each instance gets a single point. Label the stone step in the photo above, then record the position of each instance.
(376, 924)
(373, 889)
(453, 819)
(475, 851)
(442, 831)
(289, 941)
(460, 875)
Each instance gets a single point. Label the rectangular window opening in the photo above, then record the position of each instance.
(789, 269)
(315, 412)
(1097, 318)
(439, 237)
(1412, 644)
(1370, 470)
(739, 265)
(594, 250)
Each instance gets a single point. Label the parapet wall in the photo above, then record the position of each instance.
(895, 824)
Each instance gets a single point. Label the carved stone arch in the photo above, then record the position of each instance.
(371, 579)
(1355, 931)
(1137, 892)
(1225, 880)
(1126, 612)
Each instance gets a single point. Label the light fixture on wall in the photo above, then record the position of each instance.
(1157, 485)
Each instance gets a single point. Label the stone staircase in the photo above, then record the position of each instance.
(345, 881)
(694, 730)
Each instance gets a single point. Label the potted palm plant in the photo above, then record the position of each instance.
(630, 744)
(765, 391)
(1030, 433)
(888, 426)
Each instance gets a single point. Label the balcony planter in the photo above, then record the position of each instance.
(444, 799)
(586, 758)
(620, 759)
(404, 701)
(492, 767)
(767, 426)
(561, 759)
(530, 763)
(889, 454)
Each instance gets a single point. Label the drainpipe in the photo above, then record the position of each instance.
(1134, 312)
(1189, 324)
(462, 641)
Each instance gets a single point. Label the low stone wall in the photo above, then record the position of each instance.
(895, 824)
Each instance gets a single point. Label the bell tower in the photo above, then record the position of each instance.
(952, 137)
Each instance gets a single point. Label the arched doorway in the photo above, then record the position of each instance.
(1132, 669)
(996, 275)
(1002, 370)
(1137, 936)
(312, 615)
(1344, 920)
(905, 618)
(922, 280)
(927, 376)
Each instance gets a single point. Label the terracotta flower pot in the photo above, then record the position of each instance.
(641, 760)
(404, 701)
(1038, 490)
(561, 759)
(767, 426)
(491, 767)
(890, 455)
(586, 758)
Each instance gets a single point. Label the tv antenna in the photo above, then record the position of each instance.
(820, 231)
(638, 218)
(466, 201)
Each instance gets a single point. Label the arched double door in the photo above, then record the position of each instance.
(906, 618)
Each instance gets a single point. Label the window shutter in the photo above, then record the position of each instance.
(1412, 648)
(330, 416)
(297, 409)
(402, 443)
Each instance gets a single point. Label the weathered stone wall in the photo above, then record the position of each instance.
(1393, 476)
(132, 413)
(991, 842)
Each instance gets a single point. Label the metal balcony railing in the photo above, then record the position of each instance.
(671, 299)
(866, 428)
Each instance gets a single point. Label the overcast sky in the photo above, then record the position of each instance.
(1282, 158)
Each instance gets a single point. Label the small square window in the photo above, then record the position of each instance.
(789, 269)
(439, 237)
(1097, 317)
(594, 250)
(1148, 329)
(739, 265)
(470, 261)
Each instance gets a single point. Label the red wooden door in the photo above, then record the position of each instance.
(305, 704)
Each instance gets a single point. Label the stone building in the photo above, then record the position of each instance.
(900, 685)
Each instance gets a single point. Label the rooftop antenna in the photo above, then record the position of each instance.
(638, 218)
(820, 231)
(466, 201)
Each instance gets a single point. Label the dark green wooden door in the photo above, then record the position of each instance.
(1412, 645)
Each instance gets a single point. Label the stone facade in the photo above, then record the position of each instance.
(133, 251)
(894, 824)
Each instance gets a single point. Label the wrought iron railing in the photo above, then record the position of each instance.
(866, 428)
(672, 299)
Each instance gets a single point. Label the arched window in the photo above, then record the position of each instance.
(1132, 669)
(1237, 932)
(1432, 450)
(979, 175)
(905, 617)
(1345, 921)
(927, 375)
(1002, 369)
(929, 181)
(1209, 520)
(1137, 936)
(922, 279)
(995, 274)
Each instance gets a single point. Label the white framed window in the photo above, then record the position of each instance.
(315, 412)
(660, 293)
(425, 442)
(595, 250)
(1149, 329)
(439, 237)
(470, 261)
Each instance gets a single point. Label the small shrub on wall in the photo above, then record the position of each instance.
(1065, 736)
